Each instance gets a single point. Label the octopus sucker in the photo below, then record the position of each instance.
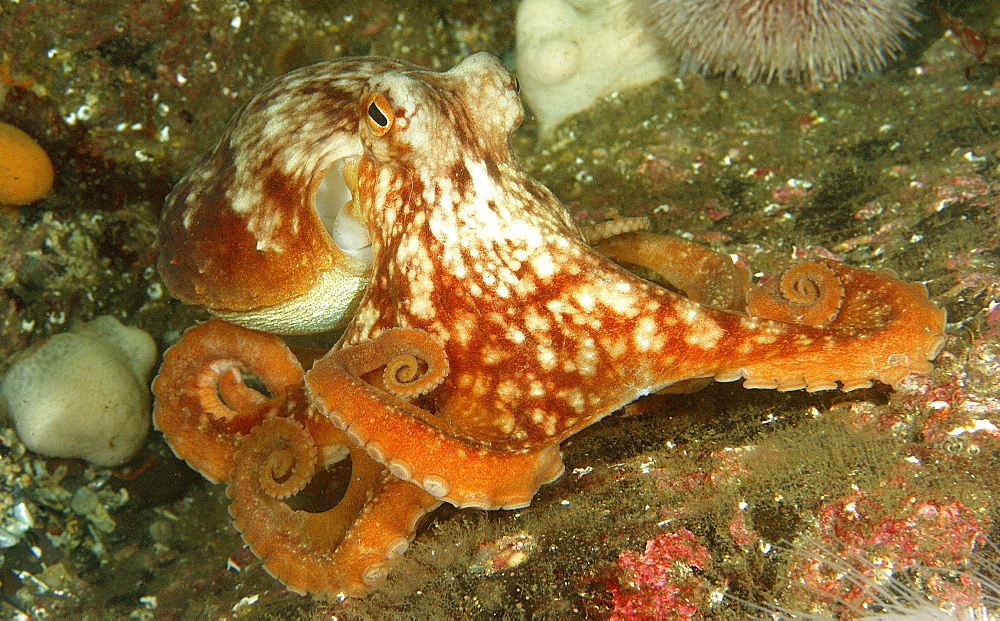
(484, 332)
(601, 231)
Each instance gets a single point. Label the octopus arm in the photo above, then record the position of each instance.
(345, 550)
(412, 442)
(203, 404)
(820, 323)
(703, 275)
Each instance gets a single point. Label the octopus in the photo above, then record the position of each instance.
(481, 326)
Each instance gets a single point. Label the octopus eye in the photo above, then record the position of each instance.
(379, 115)
(517, 86)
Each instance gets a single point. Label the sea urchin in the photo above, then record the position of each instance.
(783, 39)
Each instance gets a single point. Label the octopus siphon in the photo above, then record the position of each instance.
(481, 327)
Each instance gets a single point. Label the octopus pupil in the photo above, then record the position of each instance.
(377, 116)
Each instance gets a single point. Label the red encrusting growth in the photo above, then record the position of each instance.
(663, 582)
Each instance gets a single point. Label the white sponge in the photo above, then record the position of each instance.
(84, 394)
(570, 53)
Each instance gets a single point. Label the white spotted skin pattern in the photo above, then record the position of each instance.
(543, 335)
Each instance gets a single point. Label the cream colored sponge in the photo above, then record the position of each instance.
(85, 393)
(570, 53)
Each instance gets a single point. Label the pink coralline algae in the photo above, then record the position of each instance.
(664, 581)
(925, 535)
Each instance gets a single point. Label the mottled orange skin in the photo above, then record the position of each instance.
(26, 172)
(491, 331)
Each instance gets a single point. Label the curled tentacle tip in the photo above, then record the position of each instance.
(277, 459)
(418, 364)
(235, 394)
(808, 293)
(404, 374)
